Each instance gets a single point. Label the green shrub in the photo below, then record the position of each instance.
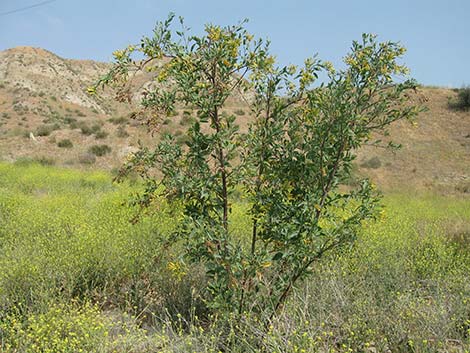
(297, 212)
(89, 130)
(463, 99)
(69, 120)
(101, 135)
(239, 112)
(45, 130)
(74, 125)
(65, 143)
(99, 150)
(86, 130)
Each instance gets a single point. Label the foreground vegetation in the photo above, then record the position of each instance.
(75, 275)
(298, 150)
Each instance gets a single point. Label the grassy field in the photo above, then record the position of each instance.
(77, 276)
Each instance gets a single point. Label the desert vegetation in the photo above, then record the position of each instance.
(75, 273)
(99, 150)
(65, 143)
(462, 101)
(217, 238)
(290, 164)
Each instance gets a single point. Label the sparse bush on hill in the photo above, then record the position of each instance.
(298, 151)
(86, 130)
(69, 120)
(89, 130)
(54, 118)
(99, 150)
(65, 143)
(462, 101)
(239, 112)
(45, 130)
(101, 135)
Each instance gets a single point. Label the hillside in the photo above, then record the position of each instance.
(435, 151)
(46, 114)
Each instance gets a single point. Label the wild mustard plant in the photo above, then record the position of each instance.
(65, 240)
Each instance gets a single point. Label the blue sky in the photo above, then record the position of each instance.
(435, 32)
